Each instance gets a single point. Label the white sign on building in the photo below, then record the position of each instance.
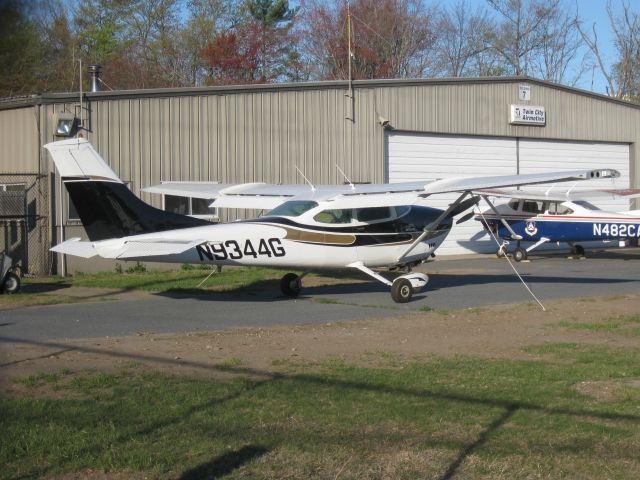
(524, 92)
(528, 115)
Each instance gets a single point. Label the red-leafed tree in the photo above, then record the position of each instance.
(260, 49)
(389, 38)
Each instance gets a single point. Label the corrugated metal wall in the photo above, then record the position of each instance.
(19, 140)
(261, 133)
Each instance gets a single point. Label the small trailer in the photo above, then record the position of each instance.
(9, 278)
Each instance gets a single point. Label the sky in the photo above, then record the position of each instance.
(591, 11)
(595, 11)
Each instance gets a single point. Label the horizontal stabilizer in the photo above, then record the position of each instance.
(75, 247)
(133, 248)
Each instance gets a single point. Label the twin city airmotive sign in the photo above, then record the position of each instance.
(528, 115)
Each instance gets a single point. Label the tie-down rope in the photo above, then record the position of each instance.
(511, 263)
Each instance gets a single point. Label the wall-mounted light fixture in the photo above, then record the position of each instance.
(384, 122)
(66, 124)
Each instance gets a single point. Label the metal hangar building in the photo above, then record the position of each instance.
(375, 131)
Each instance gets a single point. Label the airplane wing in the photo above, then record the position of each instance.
(265, 196)
(603, 194)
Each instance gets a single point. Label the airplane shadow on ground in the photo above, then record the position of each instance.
(233, 460)
(269, 290)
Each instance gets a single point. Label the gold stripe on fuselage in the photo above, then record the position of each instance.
(319, 237)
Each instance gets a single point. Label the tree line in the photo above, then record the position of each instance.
(181, 43)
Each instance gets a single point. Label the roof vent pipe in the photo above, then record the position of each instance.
(94, 71)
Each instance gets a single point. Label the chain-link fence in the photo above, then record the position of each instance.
(24, 221)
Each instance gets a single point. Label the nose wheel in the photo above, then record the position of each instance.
(291, 285)
(403, 288)
(519, 254)
(577, 250)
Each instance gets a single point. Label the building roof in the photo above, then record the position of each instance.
(50, 98)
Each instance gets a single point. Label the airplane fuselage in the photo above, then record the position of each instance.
(575, 223)
(284, 242)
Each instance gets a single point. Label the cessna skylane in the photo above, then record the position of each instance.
(358, 227)
(542, 218)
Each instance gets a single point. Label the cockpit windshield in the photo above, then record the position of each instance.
(292, 208)
(585, 204)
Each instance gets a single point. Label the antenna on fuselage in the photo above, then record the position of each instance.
(353, 187)
(313, 189)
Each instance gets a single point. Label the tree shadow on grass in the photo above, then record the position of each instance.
(224, 464)
(233, 460)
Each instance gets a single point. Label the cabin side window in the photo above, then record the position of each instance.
(334, 216)
(533, 206)
(374, 213)
(513, 204)
(556, 208)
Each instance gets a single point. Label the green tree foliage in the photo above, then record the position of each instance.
(178, 43)
(20, 49)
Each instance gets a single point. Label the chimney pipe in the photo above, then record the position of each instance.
(94, 71)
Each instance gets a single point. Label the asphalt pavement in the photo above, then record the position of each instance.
(454, 283)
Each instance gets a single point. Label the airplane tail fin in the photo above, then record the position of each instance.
(107, 208)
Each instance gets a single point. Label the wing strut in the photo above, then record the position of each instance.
(514, 235)
(431, 228)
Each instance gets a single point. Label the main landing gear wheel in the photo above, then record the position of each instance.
(577, 250)
(519, 254)
(401, 290)
(11, 283)
(291, 284)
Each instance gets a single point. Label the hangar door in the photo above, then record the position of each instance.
(415, 156)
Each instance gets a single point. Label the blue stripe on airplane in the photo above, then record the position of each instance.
(534, 230)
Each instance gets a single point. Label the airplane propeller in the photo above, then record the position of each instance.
(463, 206)
(464, 218)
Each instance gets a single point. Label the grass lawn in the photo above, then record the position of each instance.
(185, 279)
(461, 417)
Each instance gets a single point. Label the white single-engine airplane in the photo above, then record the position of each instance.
(541, 218)
(309, 228)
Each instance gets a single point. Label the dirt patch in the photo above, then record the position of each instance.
(499, 332)
(100, 475)
(605, 390)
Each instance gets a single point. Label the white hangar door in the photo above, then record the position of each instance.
(545, 156)
(412, 157)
